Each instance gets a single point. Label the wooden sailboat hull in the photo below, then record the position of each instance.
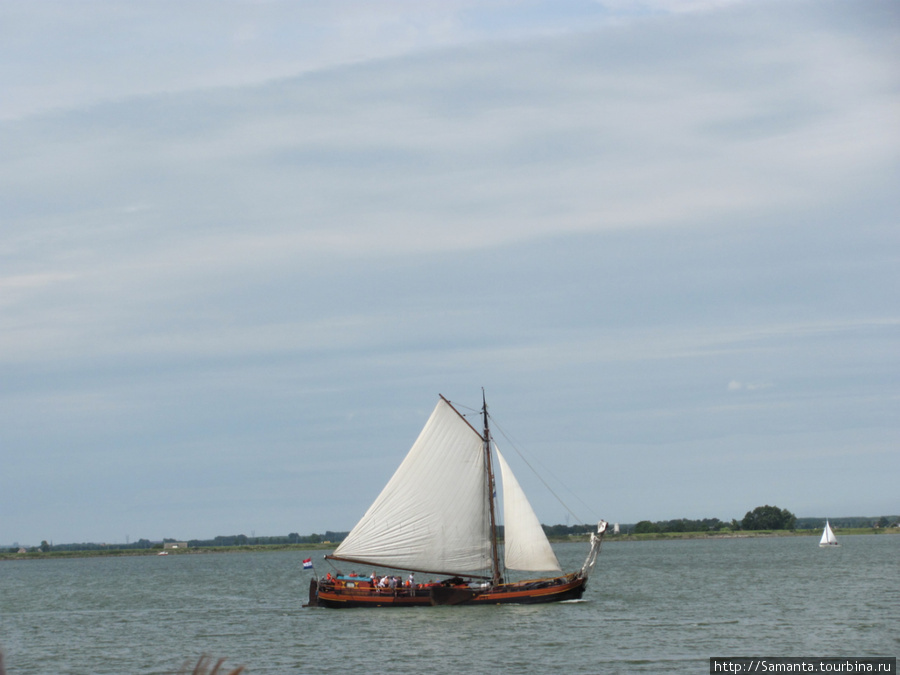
(337, 596)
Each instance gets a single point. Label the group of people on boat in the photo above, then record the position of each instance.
(374, 583)
(391, 582)
(388, 584)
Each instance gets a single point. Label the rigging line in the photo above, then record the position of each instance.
(459, 408)
(512, 443)
(541, 478)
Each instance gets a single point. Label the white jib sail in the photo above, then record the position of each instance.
(433, 514)
(828, 535)
(525, 544)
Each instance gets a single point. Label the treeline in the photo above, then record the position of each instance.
(848, 522)
(677, 525)
(565, 530)
(220, 541)
(292, 538)
(91, 546)
(760, 518)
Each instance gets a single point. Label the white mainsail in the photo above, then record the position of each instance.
(433, 515)
(828, 538)
(525, 545)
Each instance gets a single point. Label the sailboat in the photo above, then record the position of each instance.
(437, 517)
(828, 538)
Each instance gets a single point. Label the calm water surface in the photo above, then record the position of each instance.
(650, 607)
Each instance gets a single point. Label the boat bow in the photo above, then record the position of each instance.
(596, 541)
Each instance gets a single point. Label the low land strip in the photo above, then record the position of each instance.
(257, 548)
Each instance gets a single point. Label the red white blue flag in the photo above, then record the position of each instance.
(307, 564)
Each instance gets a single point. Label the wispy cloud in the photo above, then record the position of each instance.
(112, 51)
(736, 385)
(31, 281)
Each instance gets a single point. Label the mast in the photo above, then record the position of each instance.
(495, 554)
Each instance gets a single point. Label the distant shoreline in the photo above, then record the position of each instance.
(755, 534)
(655, 536)
(113, 552)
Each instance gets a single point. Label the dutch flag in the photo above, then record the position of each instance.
(307, 564)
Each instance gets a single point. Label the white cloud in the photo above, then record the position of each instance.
(107, 50)
(736, 385)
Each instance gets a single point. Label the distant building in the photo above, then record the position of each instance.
(175, 544)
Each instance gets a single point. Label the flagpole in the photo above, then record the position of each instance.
(313, 583)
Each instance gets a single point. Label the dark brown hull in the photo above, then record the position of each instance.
(525, 593)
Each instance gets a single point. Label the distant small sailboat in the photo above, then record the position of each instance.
(828, 538)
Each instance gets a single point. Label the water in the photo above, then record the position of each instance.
(650, 607)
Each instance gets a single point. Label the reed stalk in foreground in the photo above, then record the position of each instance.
(204, 666)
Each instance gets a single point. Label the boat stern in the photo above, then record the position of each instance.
(313, 593)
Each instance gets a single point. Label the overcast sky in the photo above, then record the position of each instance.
(244, 245)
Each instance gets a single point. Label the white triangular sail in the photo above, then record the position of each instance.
(433, 515)
(525, 545)
(828, 538)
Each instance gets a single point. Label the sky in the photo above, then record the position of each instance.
(245, 245)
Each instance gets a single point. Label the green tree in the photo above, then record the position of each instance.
(45, 546)
(645, 527)
(769, 518)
